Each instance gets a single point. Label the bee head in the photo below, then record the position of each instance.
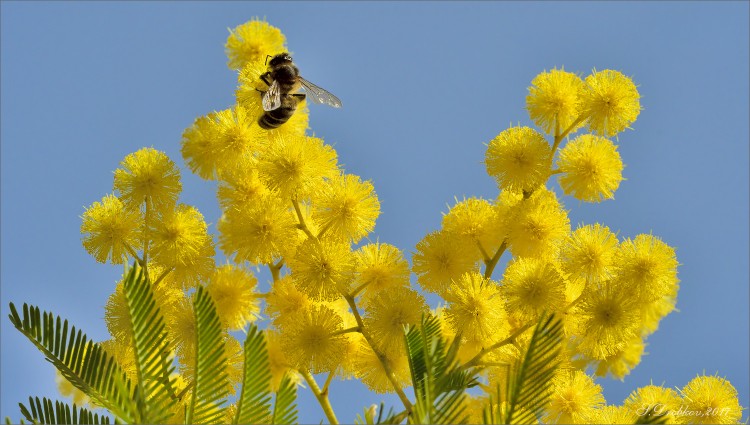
(279, 59)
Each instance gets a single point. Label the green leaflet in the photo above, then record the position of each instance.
(81, 361)
(285, 409)
(44, 412)
(529, 381)
(152, 357)
(253, 405)
(210, 391)
(152, 398)
(439, 381)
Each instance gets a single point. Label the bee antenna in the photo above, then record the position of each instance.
(267, 56)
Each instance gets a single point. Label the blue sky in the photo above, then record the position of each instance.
(425, 86)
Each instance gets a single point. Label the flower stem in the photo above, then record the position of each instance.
(484, 253)
(328, 382)
(135, 256)
(381, 357)
(301, 219)
(359, 289)
(321, 396)
(146, 238)
(323, 230)
(559, 137)
(475, 361)
(275, 269)
(162, 276)
(345, 331)
(490, 265)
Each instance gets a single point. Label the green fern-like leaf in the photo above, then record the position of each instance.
(253, 405)
(81, 361)
(45, 412)
(153, 361)
(285, 408)
(529, 382)
(439, 382)
(210, 390)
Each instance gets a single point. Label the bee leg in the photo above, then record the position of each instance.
(300, 96)
(265, 77)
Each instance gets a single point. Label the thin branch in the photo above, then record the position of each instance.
(346, 331)
(509, 340)
(163, 275)
(322, 398)
(490, 265)
(485, 256)
(301, 219)
(386, 367)
(359, 289)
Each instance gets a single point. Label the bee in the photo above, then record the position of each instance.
(281, 99)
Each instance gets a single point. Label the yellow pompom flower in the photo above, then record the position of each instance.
(476, 308)
(389, 312)
(181, 242)
(656, 400)
(609, 318)
(612, 415)
(611, 102)
(591, 168)
(647, 266)
(285, 300)
(278, 362)
(66, 389)
(241, 187)
(217, 142)
(322, 270)
(475, 406)
(537, 225)
(372, 373)
(258, 234)
(653, 312)
(439, 259)
(296, 166)
(531, 286)
(235, 362)
(116, 312)
(575, 397)
(108, 229)
(519, 159)
(348, 368)
(231, 289)
(250, 87)
(182, 330)
(622, 361)
(201, 146)
(588, 253)
(123, 354)
(501, 360)
(379, 267)
(709, 400)
(476, 221)
(554, 100)
(346, 208)
(253, 41)
(310, 342)
(150, 175)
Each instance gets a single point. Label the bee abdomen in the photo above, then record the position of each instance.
(274, 119)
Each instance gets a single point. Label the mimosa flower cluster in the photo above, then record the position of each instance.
(338, 303)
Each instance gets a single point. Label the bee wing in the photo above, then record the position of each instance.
(319, 95)
(272, 98)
